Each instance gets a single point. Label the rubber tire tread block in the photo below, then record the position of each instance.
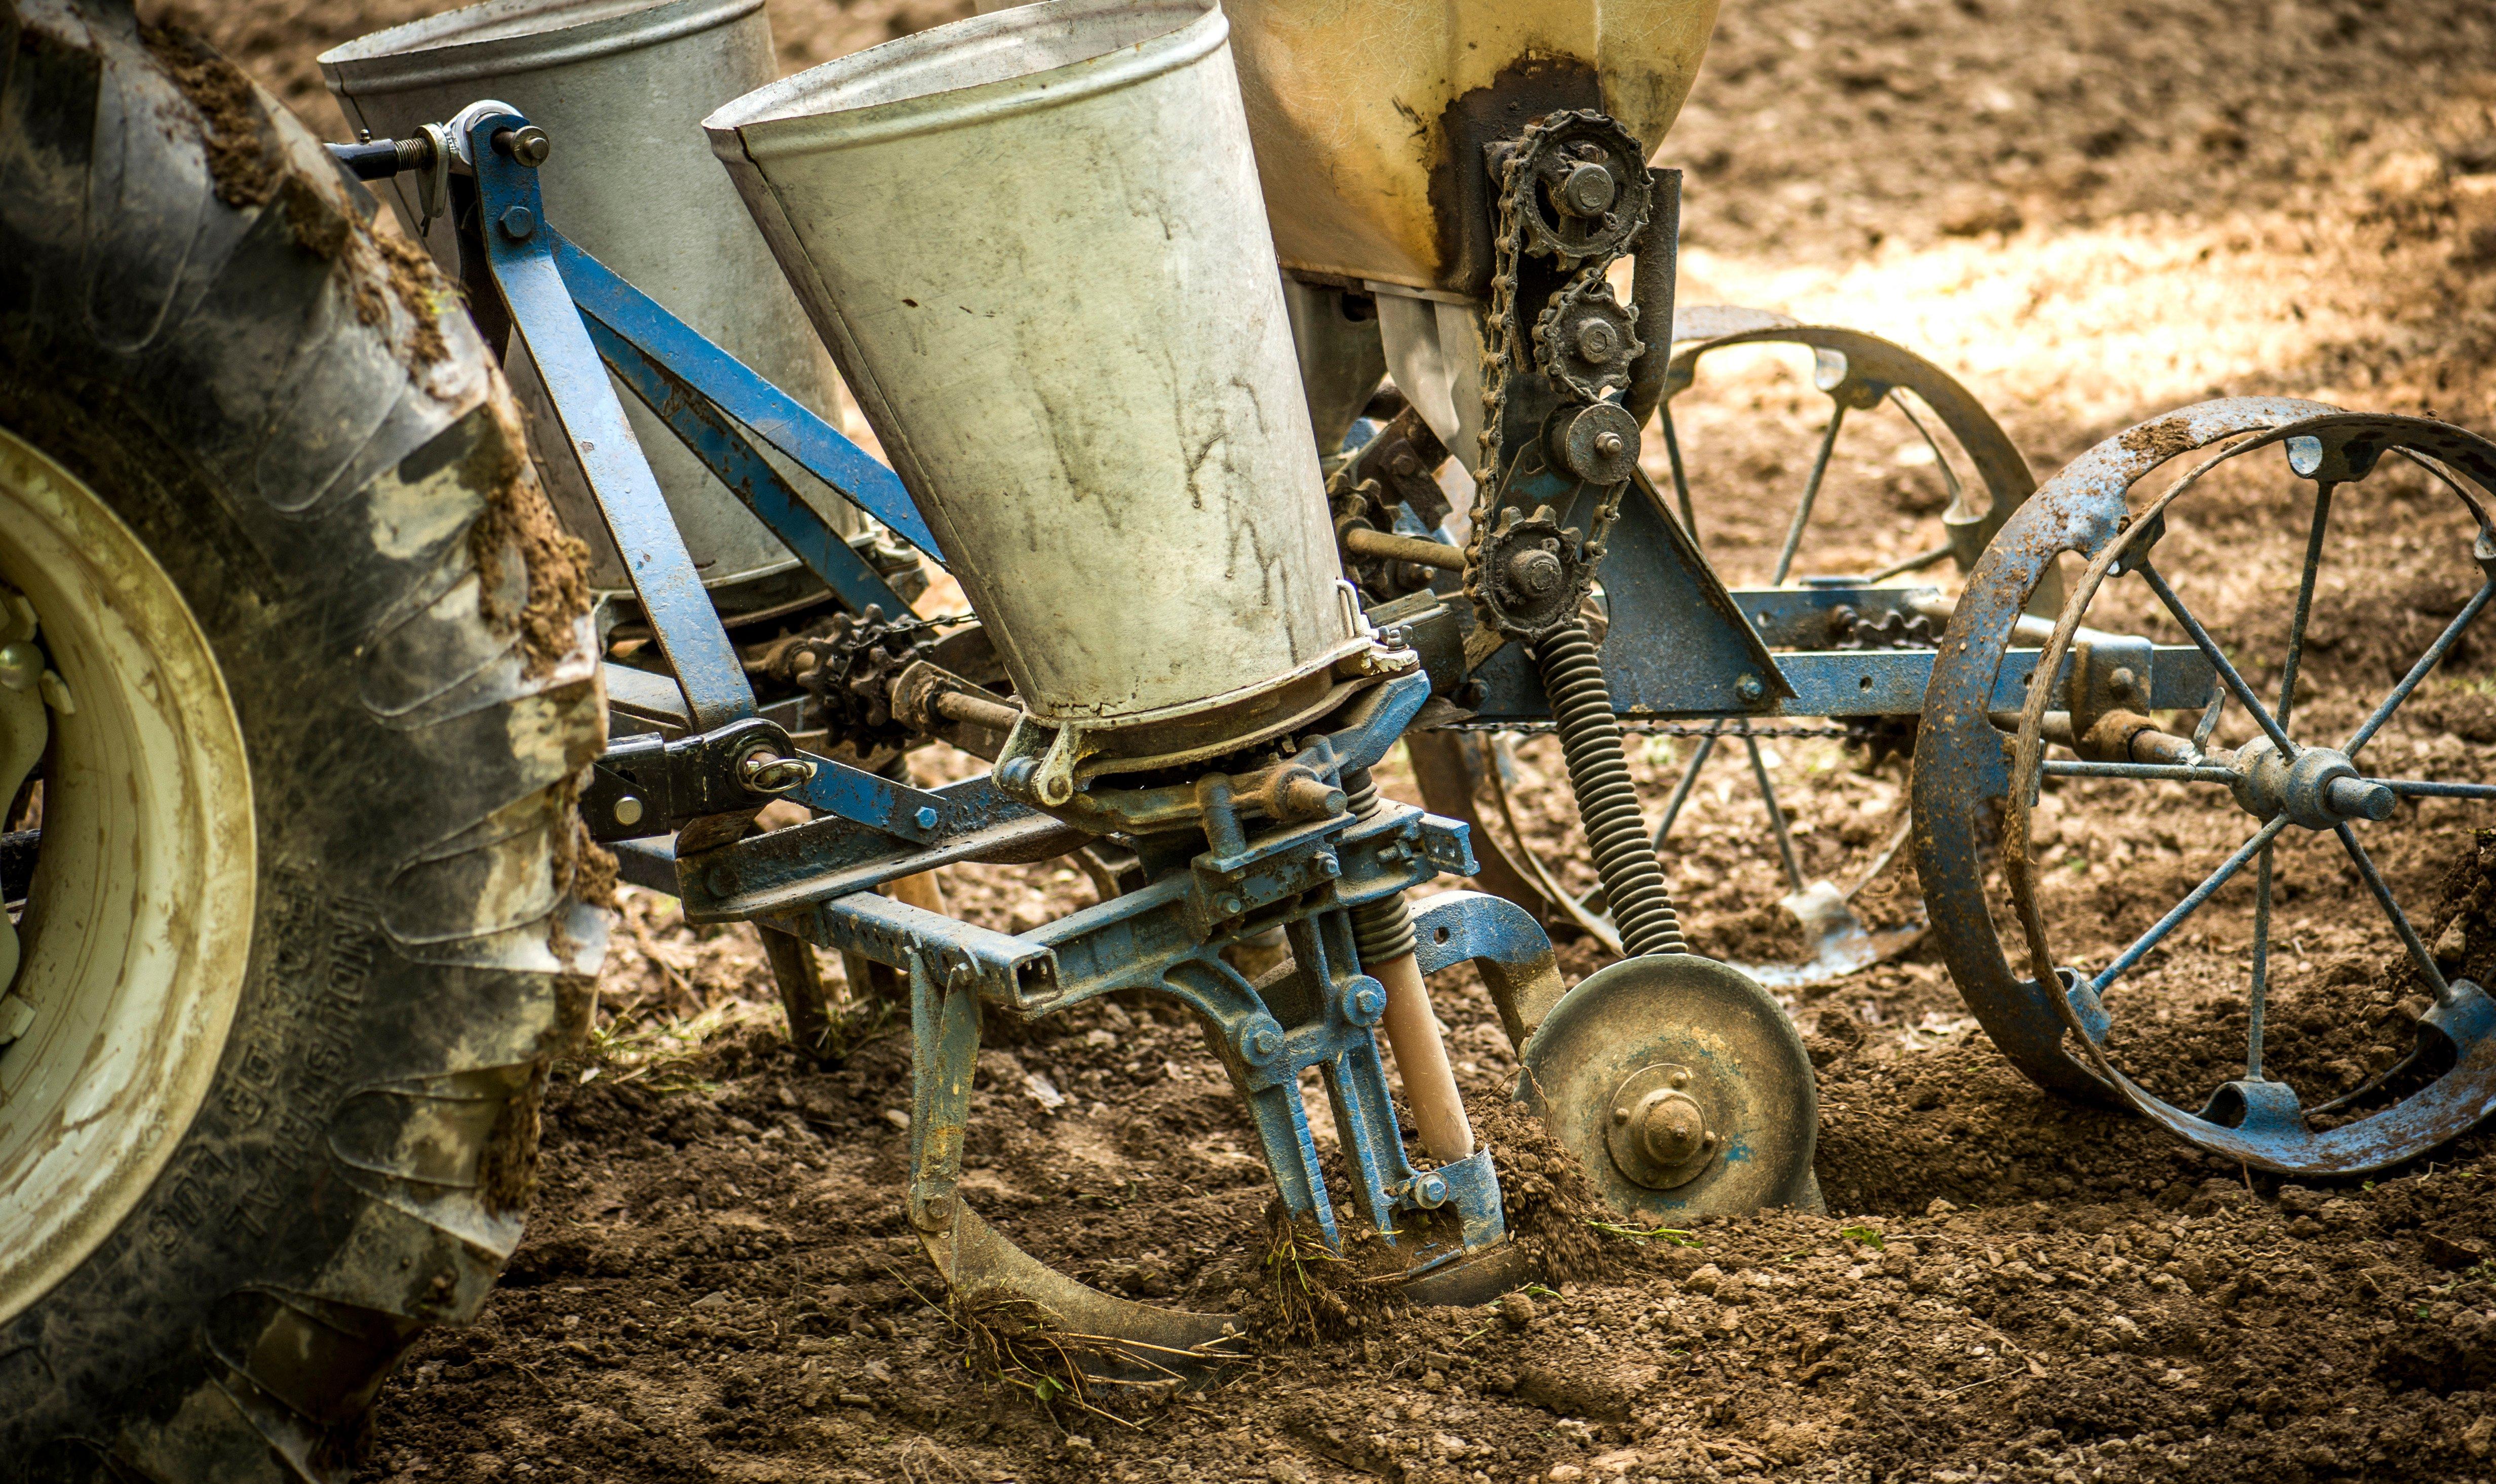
(213, 341)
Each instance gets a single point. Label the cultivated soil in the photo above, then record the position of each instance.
(2089, 214)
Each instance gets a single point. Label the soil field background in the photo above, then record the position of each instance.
(2089, 214)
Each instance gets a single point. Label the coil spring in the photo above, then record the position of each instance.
(1382, 932)
(1608, 802)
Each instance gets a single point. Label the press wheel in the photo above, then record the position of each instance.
(1681, 1087)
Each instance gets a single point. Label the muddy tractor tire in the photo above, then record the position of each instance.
(303, 661)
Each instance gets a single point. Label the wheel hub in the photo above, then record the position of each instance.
(2319, 788)
(1681, 1085)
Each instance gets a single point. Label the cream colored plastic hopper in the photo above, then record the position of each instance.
(1370, 116)
(1035, 243)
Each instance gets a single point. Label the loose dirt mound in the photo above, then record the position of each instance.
(2089, 214)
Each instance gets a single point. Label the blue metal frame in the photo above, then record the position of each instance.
(578, 319)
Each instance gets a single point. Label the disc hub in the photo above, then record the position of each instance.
(1660, 1135)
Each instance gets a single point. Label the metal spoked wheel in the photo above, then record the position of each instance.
(2296, 784)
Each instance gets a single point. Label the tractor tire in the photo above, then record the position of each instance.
(320, 686)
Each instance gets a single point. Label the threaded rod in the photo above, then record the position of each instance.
(1608, 802)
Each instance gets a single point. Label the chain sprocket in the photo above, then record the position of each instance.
(1527, 565)
(849, 674)
(1585, 339)
(1582, 186)
(1572, 188)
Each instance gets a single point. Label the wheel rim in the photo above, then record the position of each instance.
(137, 928)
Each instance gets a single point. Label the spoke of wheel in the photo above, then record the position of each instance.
(2375, 883)
(2434, 788)
(2162, 772)
(2426, 664)
(2262, 967)
(2190, 904)
(2304, 609)
(1681, 790)
(1917, 562)
(2218, 658)
(1810, 494)
(1680, 475)
(1950, 476)
(1776, 815)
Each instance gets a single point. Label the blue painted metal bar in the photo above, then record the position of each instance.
(723, 449)
(861, 797)
(637, 514)
(650, 864)
(1799, 617)
(775, 417)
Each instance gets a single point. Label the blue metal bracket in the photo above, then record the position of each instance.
(716, 442)
(519, 253)
(637, 320)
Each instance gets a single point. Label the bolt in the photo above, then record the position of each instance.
(926, 817)
(1681, 1079)
(1620, 1115)
(1609, 444)
(1598, 342)
(1749, 688)
(1404, 465)
(1535, 571)
(1365, 1003)
(628, 810)
(527, 145)
(2123, 683)
(1263, 1042)
(516, 223)
(1432, 1190)
(1232, 907)
(22, 665)
(721, 881)
(1588, 191)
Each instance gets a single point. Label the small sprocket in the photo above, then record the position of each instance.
(1586, 340)
(849, 674)
(1531, 573)
(1586, 194)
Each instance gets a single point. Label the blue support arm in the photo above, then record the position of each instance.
(518, 250)
(638, 320)
(716, 442)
